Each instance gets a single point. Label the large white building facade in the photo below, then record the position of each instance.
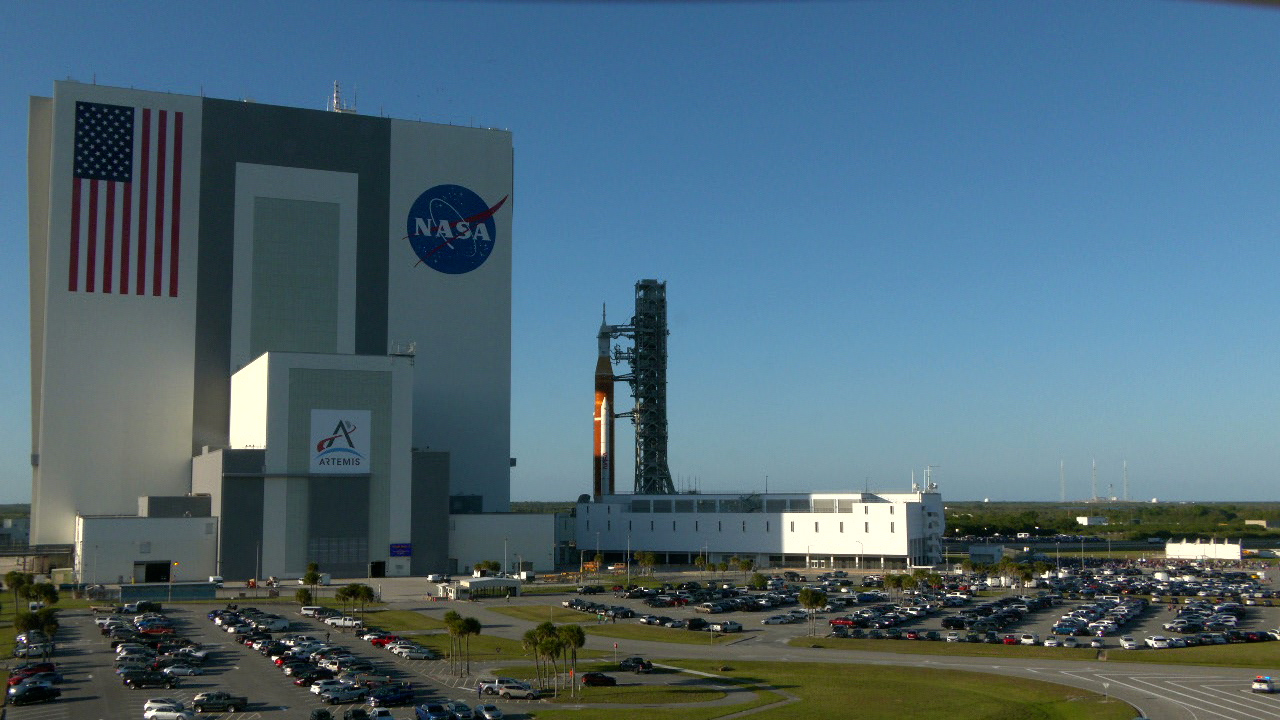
(175, 241)
(819, 530)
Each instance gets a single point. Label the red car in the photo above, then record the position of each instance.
(384, 640)
(25, 671)
(595, 679)
(1010, 640)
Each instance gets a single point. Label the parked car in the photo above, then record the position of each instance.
(145, 678)
(28, 694)
(391, 695)
(460, 710)
(596, 679)
(488, 712)
(1263, 684)
(518, 691)
(635, 664)
(344, 694)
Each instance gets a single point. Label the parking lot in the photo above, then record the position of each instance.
(762, 624)
(92, 689)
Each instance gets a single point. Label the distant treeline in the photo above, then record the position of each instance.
(1130, 521)
(15, 510)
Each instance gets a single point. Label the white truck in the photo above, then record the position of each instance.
(345, 621)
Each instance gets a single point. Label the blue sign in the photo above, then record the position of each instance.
(452, 229)
(401, 549)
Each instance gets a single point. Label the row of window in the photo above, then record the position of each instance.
(748, 505)
(697, 526)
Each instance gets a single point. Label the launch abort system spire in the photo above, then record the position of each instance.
(648, 380)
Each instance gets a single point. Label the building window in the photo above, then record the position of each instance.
(890, 527)
(793, 526)
(866, 527)
(866, 509)
(744, 526)
(608, 509)
(650, 526)
(719, 526)
(766, 526)
(841, 527)
(815, 527)
(588, 526)
(628, 526)
(695, 526)
(890, 509)
(608, 524)
(673, 526)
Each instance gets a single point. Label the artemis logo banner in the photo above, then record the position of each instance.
(340, 442)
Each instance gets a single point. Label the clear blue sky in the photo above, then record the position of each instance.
(987, 236)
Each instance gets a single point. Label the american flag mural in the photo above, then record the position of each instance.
(126, 200)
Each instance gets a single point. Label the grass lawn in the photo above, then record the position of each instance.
(543, 613)
(1249, 655)
(659, 634)
(872, 692)
(685, 692)
(528, 589)
(487, 649)
(402, 620)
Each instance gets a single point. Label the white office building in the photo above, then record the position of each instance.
(816, 530)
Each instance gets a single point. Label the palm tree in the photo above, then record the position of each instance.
(811, 600)
(364, 595)
(468, 627)
(15, 580)
(453, 623)
(530, 643)
(312, 577)
(574, 638)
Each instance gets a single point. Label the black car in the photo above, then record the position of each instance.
(28, 694)
(595, 679)
(143, 679)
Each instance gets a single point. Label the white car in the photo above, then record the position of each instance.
(1070, 642)
(488, 712)
(166, 713)
(415, 653)
(1263, 684)
(1157, 642)
(953, 636)
(776, 620)
(323, 686)
(1051, 641)
(154, 703)
(1128, 643)
(182, 670)
(1029, 639)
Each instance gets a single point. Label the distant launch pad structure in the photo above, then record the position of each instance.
(648, 380)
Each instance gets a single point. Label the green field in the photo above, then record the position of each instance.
(882, 693)
(1250, 655)
(660, 634)
(544, 613)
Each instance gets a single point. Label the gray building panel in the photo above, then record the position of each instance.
(239, 132)
(338, 525)
(430, 535)
(171, 506)
(241, 539)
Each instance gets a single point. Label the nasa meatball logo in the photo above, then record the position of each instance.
(452, 229)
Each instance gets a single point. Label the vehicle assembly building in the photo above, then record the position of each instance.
(296, 322)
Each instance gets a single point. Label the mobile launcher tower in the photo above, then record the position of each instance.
(648, 380)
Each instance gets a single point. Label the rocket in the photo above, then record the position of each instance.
(602, 475)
